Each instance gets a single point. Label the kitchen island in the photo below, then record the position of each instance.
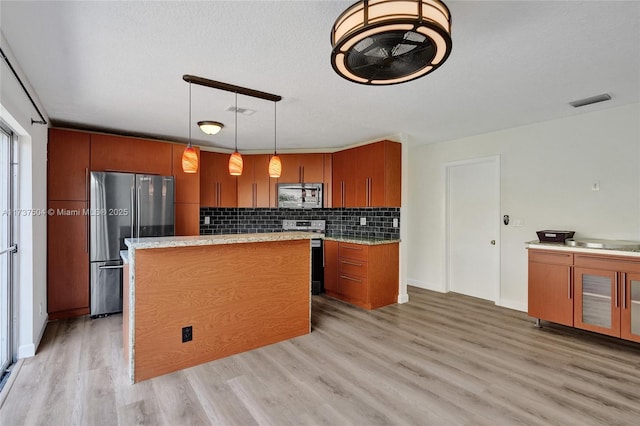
(190, 300)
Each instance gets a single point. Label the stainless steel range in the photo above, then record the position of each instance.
(317, 251)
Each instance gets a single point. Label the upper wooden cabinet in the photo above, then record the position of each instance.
(253, 184)
(187, 185)
(368, 176)
(68, 154)
(217, 187)
(133, 155)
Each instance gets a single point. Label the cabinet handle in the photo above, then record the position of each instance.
(569, 282)
(624, 290)
(616, 290)
(350, 263)
(369, 185)
(342, 193)
(350, 247)
(350, 279)
(219, 194)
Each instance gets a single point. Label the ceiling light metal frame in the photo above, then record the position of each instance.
(426, 19)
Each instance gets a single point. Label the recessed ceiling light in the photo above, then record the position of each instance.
(592, 100)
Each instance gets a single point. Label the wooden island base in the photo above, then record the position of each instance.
(236, 297)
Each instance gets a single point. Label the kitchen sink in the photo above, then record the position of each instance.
(604, 244)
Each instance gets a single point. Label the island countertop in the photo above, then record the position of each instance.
(209, 240)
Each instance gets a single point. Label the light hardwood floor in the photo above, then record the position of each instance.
(441, 359)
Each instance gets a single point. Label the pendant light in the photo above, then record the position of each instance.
(189, 156)
(382, 42)
(275, 166)
(235, 161)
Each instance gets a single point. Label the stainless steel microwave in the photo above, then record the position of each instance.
(300, 195)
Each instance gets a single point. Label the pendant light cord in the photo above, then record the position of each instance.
(189, 116)
(275, 125)
(236, 126)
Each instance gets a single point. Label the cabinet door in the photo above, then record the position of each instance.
(261, 179)
(312, 168)
(187, 219)
(327, 199)
(246, 187)
(68, 165)
(597, 301)
(550, 290)
(187, 185)
(132, 155)
(331, 267)
(630, 316)
(291, 172)
(208, 182)
(392, 175)
(370, 176)
(345, 179)
(67, 259)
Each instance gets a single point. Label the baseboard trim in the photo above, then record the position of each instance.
(513, 304)
(424, 285)
(403, 298)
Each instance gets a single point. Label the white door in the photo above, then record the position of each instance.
(473, 227)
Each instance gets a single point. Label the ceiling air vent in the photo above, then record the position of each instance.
(592, 100)
(240, 110)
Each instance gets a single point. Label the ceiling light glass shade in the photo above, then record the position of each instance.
(190, 160)
(383, 42)
(275, 167)
(210, 127)
(235, 164)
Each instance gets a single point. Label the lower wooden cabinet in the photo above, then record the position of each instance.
(67, 259)
(361, 274)
(550, 286)
(602, 291)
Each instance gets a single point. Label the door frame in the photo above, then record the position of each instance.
(447, 167)
(12, 329)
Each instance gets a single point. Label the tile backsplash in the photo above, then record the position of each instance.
(339, 222)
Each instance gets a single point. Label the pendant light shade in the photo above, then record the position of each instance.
(210, 127)
(235, 161)
(382, 42)
(235, 164)
(190, 160)
(189, 156)
(275, 167)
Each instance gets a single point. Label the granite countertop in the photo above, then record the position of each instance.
(206, 240)
(535, 244)
(124, 255)
(361, 240)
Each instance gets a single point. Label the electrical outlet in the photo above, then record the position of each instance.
(187, 334)
(395, 222)
(595, 186)
(363, 221)
(207, 220)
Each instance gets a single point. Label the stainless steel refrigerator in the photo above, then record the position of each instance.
(123, 205)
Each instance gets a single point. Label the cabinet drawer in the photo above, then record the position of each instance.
(352, 288)
(552, 257)
(621, 264)
(353, 251)
(353, 267)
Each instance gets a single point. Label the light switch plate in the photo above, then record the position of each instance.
(395, 222)
(363, 221)
(207, 220)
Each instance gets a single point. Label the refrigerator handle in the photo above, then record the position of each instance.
(138, 212)
(132, 216)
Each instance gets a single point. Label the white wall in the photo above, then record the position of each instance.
(547, 170)
(31, 297)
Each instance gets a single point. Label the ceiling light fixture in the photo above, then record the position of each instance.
(383, 42)
(189, 156)
(210, 127)
(275, 166)
(235, 161)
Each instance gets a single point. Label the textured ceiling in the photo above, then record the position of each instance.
(119, 66)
